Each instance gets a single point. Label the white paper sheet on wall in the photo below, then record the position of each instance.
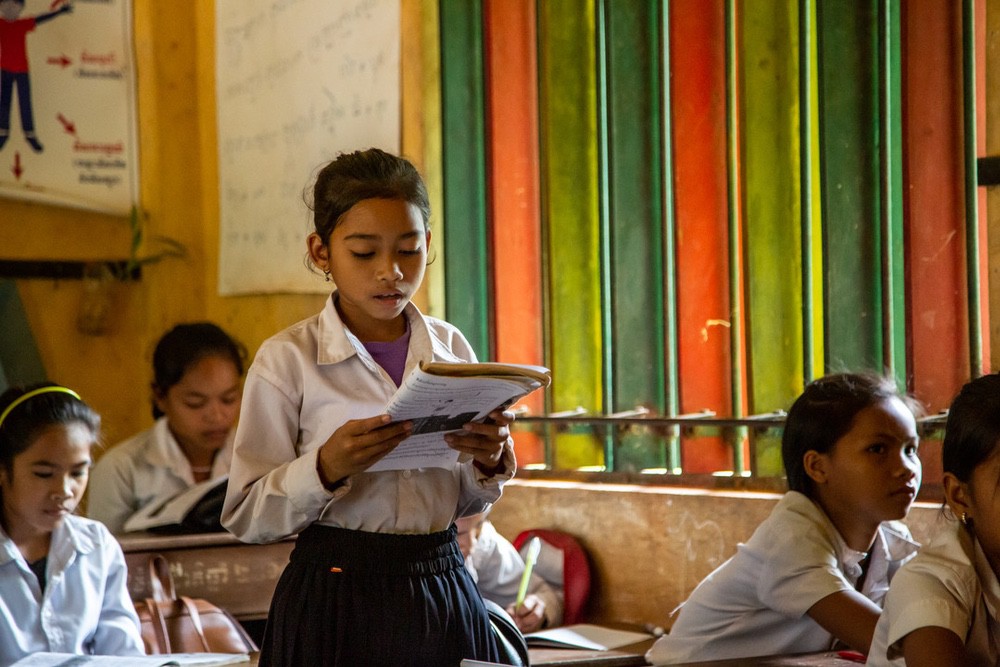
(297, 82)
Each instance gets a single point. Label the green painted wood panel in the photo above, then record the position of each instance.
(467, 281)
(849, 131)
(20, 362)
(633, 159)
(769, 91)
(891, 196)
(568, 131)
(813, 352)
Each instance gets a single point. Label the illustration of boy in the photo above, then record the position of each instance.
(14, 66)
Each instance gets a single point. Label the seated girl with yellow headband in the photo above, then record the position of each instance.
(62, 577)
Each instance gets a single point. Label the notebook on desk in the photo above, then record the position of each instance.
(163, 660)
(585, 636)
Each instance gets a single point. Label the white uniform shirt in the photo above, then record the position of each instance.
(86, 607)
(756, 602)
(305, 383)
(949, 584)
(148, 466)
(497, 568)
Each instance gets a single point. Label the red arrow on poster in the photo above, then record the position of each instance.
(62, 61)
(17, 166)
(68, 126)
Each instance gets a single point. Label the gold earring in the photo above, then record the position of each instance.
(326, 275)
(964, 519)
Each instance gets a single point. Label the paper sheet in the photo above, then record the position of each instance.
(163, 660)
(585, 636)
(439, 405)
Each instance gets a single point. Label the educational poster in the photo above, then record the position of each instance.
(67, 103)
(297, 81)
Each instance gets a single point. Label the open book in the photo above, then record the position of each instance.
(196, 509)
(163, 660)
(585, 636)
(439, 397)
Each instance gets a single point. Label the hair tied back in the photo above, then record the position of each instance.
(35, 392)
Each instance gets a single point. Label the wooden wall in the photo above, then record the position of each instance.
(174, 44)
(649, 546)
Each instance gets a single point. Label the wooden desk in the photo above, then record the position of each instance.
(216, 566)
(569, 657)
(824, 659)
(627, 656)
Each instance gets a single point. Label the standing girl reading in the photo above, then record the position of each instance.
(62, 577)
(816, 570)
(942, 608)
(197, 377)
(376, 576)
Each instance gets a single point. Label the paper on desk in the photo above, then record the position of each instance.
(585, 636)
(441, 404)
(175, 659)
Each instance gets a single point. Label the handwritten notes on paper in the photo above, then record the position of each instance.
(297, 82)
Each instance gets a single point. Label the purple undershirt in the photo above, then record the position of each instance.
(392, 355)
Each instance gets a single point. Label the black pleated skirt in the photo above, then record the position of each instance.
(353, 598)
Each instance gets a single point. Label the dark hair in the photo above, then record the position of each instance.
(185, 345)
(24, 423)
(825, 412)
(972, 431)
(368, 174)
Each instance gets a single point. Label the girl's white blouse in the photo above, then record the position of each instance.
(305, 383)
(949, 584)
(85, 609)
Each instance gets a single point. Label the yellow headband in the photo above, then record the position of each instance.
(35, 392)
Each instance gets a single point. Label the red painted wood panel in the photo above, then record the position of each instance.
(512, 159)
(934, 200)
(698, 97)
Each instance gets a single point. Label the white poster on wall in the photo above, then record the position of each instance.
(297, 82)
(67, 104)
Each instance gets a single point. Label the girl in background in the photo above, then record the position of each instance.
(497, 568)
(376, 576)
(815, 572)
(62, 577)
(198, 371)
(942, 608)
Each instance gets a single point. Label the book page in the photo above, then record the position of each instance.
(162, 660)
(173, 509)
(438, 405)
(585, 636)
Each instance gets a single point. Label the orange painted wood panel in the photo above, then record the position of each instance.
(513, 196)
(698, 116)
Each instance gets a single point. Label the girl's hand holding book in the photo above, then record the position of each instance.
(485, 441)
(357, 445)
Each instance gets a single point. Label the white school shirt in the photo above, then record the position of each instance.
(949, 584)
(497, 568)
(305, 383)
(86, 608)
(756, 602)
(148, 466)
